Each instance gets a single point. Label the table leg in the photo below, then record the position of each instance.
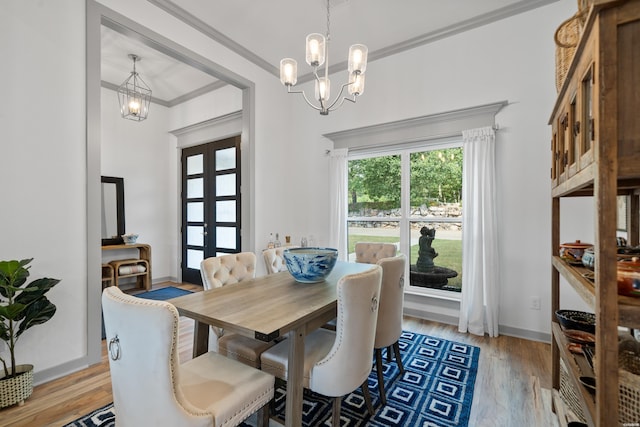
(200, 338)
(293, 411)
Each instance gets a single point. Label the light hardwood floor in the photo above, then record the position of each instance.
(512, 386)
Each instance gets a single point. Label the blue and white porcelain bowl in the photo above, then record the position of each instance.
(310, 265)
(129, 239)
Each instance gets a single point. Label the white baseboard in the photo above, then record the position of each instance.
(503, 330)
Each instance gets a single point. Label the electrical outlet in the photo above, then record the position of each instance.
(534, 303)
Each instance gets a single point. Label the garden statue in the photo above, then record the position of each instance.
(426, 253)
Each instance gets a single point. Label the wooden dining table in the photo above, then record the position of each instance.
(267, 308)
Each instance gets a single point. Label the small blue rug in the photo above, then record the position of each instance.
(163, 293)
(436, 390)
(157, 294)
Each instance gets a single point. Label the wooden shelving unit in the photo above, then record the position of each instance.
(143, 279)
(596, 152)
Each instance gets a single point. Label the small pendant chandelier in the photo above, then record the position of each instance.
(317, 53)
(134, 95)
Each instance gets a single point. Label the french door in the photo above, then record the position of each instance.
(210, 204)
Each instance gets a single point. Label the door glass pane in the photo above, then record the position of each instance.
(194, 258)
(226, 159)
(226, 237)
(194, 164)
(195, 235)
(226, 211)
(195, 188)
(195, 212)
(226, 185)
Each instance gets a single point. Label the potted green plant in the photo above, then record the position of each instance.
(22, 306)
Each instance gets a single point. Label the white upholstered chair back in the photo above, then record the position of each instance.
(389, 326)
(274, 259)
(338, 362)
(226, 269)
(371, 253)
(150, 386)
(348, 363)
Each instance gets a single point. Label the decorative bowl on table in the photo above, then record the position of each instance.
(577, 320)
(310, 265)
(129, 239)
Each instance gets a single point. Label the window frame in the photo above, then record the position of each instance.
(405, 151)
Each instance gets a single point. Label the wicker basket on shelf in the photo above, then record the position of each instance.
(569, 394)
(629, 383)
(566, 37)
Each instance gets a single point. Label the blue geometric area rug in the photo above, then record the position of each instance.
(163, 293)
(436, 390)
(157, 294)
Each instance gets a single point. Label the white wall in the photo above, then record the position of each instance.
(140, 152)
(43, 152)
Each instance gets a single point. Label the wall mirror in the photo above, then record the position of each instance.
(112, 197)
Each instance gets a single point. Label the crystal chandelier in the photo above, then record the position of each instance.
(317, 55)
(134, 95)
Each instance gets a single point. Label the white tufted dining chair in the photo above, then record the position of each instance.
(274, 259)
(225, 270)
(337, 363)
(151, 387)
(371, 252)
(389, 324)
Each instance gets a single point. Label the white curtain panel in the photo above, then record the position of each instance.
(480, 279)
(338, 187)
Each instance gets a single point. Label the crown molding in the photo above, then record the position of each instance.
(434, 126)
(478, 21)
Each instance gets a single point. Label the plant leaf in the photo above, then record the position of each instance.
(35, 314)
(13, 274)
(12, 311)
(36, 290)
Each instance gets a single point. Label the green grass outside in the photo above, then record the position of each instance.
(449, 252)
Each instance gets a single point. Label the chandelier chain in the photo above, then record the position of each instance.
(328, 21)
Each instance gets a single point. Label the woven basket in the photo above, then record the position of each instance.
(629, 386)
(566, 37)
(17, 389)
(569, 394)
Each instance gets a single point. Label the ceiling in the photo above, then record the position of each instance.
(266, 31)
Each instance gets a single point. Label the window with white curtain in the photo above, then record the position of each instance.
(394, 192)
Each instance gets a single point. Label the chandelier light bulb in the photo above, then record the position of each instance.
(134, 106)
(323, 89)
(315, 49)
(356, 84)
(358, 58)
(288, 72)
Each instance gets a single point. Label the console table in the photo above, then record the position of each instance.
(131, 267)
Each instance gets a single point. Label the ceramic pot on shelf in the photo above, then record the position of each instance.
(572, 252)
(629, 277)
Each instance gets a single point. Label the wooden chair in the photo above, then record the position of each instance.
(224, 270)
(389, 324)
(151, 387)
(337, 363)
